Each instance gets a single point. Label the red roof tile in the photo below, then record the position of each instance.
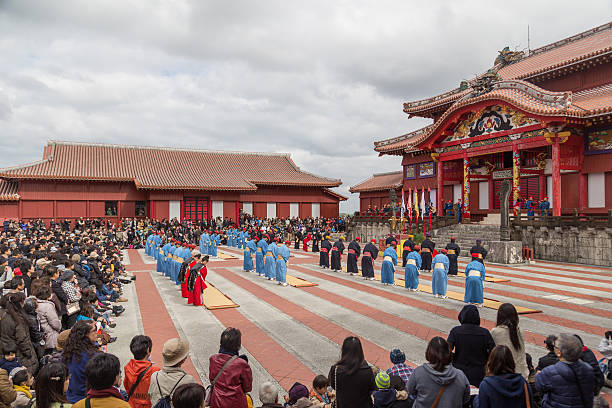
(381, 181)
(400, 142)
(8, 190)
(596, 101)
(167, 168)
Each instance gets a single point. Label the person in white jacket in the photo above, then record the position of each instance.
(605, 348)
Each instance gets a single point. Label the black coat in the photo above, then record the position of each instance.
(18, 333)
(353, 391)
(56, 287)
(367, 267)
(548, 360)
(452, 258)
(351, 259)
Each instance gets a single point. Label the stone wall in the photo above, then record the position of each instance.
(568, 244)
(367, 230)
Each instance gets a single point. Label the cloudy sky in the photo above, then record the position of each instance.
(318, 79)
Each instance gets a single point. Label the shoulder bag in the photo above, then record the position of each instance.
(209, 389)
(138, 379)
(579, 387)
(437, 400)
(527, 400)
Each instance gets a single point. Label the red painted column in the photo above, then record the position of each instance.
(440, 203)
(556, 178)
(491, 193)
(542, 186)
(583, 188)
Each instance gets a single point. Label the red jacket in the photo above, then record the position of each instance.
(235, 381)
(140, 397)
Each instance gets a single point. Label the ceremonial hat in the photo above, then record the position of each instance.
(546, 198)
(478, 240)
(287, 242)
(453, 237)
(342, 238)
(410, 236)
(444, 251)
(174, 351)
(428, 234)
(475, 255)
(357, 239)
(373, 241)
(417, 247)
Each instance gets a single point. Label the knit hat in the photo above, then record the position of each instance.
(397, 356)
(174, 351)
(383, 381)
(297, 391)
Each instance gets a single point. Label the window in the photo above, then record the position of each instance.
(110, 208)
(140, 209)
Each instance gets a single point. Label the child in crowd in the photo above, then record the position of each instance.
(320, 396)
(384, 397)
(10, 361)
(298, 397)
(401, 396)
(22, 381)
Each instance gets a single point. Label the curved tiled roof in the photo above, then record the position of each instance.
(166, 168)
(580, 47)
(8, 190)
(400, 142)
(381, 181)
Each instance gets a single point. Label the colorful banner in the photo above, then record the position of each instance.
(416, 203)
(410, 204)
(466, 187)
(403, 205)
(516, 178)
(423, 202)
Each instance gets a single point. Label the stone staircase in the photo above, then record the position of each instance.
(466, 235)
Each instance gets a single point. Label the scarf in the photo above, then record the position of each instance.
(105, 393)
(23, 388)
(229, 353)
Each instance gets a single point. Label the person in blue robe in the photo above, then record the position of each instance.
(474, 281)
(249, 250)
(170, 260)
(161, 259)
(282, 257)
(204, 242)
(387, 272)
(262, 249)
(270, 264)
(448, 208)
(459, 210)
(439, 278)
(241, 239)
(544, 207)
(214, 243)
(413, 266)
(185, 255)
(530, 207)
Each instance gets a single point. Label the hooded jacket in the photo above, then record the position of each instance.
(384, 398)
(559, 384)
(472, 345)
(503, 391)
(425, 384)
(49, 321)
(140, 398)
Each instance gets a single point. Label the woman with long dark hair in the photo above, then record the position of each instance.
(437, 383)
(14, 328)
(508, 333)
(352, 377)
(503, 387)
(79, 349)
(51, 386)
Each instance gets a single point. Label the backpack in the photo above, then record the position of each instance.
(165, 402)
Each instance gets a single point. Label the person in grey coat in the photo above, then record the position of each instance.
(171, 376)
(438, 379)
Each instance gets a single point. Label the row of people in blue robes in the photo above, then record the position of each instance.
(209, 241)
(270, 259)
(170, 257)
(237, 238)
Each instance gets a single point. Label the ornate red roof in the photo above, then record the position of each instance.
(8, 190)
(380, 181)
(166, 168)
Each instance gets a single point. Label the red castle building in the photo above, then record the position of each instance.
(374, 192)
(114, 181)
(542, 119)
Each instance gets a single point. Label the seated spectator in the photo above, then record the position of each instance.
(171, 376)
(319, 395)
(605, 348)
(72, 290)
(298, 397)
(103, 373)
(589, 357)
(10, 360)
(7, 392)
(401, 398)
(550, 358)
(384, 396)
(400, 368)
(351, 377)
(79, 349)
(268, 396)
(236, 379)
(48, 318)
(138, 388)
(438, 380)
(189, 396)
(56, 355)
(22, 381)
(503, 388)
(570, 382)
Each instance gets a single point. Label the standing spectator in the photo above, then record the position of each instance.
(171, 376)
(103, 373)
(48, 318)
(27, 272)
(51, 385)
(268, 396)
(189, 396)
(400, 368)
(605, 348)
(550, 358)
(503, 388)
(236, 378)
(351, 377)
(471, 345)
(14, 328)
(72, 291)
(7, 392)
(138, 389)
(508, 333)
(79, 349)
(570, 382)
(437, 381)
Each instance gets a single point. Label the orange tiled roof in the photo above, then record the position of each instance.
(400, 142)
(381, 181)
(166, 168)
(580, 47)
(8, 190)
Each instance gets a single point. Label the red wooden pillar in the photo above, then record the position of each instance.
(583, 188)
(236, 220)
(542, 185)
(491, 193)
(440, 203)
(556, 178)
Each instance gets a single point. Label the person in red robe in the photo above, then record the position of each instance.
(196, 258)
(197, 282)
(306, 241)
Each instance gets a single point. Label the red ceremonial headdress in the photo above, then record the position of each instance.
(358, 239)
(417, 247)
(373, 241)
(444, 251)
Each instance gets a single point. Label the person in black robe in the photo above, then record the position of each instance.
(479, 249)
(316, 238)
(452, 254)
(354, 251)
(326, 246)
(427, 248)
(408, 248)
(370, 252)
(336, 255)
(389, 240)
(298, 238)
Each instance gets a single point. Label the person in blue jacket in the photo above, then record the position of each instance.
(387, 271)
(439, 278)
(474, 281)
(544, 207)
(262, 249)
(413, 266)
(249, 250)
(270, 264)
(282, 258)
(530, 207)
